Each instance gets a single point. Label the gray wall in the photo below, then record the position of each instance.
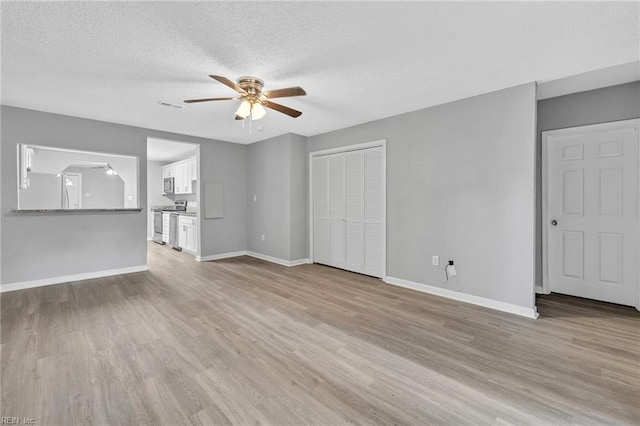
(38, 246)
(460, 184)
(276, 176)
(227, 163)
(299, 201)
(615, 103)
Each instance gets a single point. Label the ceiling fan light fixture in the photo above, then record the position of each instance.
(257, 111)
(254, 100)
(244, 110)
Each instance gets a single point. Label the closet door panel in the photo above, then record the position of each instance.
(337, 228)
(336, 186)
(337, 237)
(321, 242)
(354, 247)
(373, 250)
(354, 211)
(321, 247)
(373, 185)
(374, 244)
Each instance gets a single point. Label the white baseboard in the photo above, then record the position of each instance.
(300, 262)
(221, 256)
(70, 278)
(253, 254)
(278, 260)
(464, 297)
(539, 289)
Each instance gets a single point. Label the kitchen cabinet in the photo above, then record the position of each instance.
(184, 173)
(188, 233)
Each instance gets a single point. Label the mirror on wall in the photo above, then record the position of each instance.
(56, 178)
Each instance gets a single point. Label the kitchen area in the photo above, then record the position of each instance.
(172, 195)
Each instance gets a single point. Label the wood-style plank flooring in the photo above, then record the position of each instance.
(242, 341)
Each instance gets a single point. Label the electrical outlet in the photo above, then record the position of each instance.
(435, 260)
(262, 237)
(451, 269)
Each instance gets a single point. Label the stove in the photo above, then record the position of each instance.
(179, 206)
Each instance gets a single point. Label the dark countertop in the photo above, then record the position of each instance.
(178, 212)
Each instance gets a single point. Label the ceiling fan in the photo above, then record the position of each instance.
(254, 100)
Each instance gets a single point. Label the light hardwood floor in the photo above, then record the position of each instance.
(242, 341)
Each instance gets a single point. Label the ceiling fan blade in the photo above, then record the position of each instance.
(283, 109)
(227, 82)
(191, 101)
(284, 93)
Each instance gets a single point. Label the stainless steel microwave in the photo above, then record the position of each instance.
(168, 186)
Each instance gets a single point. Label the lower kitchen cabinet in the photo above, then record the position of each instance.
(188, 234)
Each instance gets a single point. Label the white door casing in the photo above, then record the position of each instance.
(347, 208)
(590, 212)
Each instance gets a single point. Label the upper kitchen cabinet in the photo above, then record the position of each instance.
(184, 173)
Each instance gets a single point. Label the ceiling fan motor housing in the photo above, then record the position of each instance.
(251, 85)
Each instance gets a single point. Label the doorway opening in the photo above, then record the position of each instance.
(173, 195)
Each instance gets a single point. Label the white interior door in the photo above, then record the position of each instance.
(348, 210)
(354, 201)
(71, 191)
(592, 211)
(337, 221)
(321, 247)
(374, 206)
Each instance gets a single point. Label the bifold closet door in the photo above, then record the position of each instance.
(354, 204)
(337, 222)
(321, 247)
(374, 211)
(348, 210)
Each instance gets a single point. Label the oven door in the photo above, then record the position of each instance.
(157, 227)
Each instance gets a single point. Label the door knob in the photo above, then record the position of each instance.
(554, 222)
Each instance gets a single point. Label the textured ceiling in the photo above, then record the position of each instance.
(358, 61)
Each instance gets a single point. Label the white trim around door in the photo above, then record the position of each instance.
(546, 139)
(361, 146)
